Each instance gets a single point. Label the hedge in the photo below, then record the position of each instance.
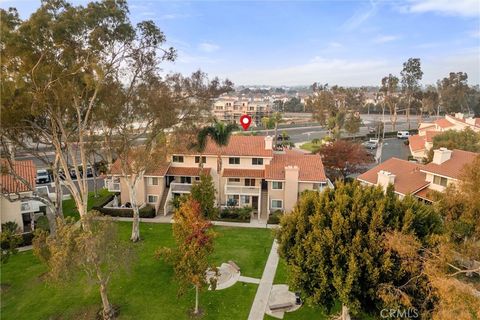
(230, 214)
(274, 218)
(27, 239)
(147, 211)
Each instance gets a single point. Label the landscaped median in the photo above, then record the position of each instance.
(148, 290)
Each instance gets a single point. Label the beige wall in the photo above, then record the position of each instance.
(125, 193)
(437, 187)
(155, 190)
(10, 211)
(291, 187)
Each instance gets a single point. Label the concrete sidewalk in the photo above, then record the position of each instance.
(263, 292)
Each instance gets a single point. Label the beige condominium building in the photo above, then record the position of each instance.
(252, 174)
(421, 143)
(420, 179)
(13, 204)
(230, 109)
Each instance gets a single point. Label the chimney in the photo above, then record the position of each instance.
(441, 155)
(459, 115)
(384, 178)
(291, 187)
(470, 121)
(268, 143)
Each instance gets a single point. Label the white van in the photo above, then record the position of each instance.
(403, 134)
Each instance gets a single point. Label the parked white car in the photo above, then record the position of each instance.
(403, 134)
(43, 176)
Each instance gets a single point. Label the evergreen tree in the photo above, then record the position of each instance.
(204, 193)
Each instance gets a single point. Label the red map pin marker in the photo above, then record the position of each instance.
(245, 121)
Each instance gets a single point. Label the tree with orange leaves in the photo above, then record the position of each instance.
(194, 244)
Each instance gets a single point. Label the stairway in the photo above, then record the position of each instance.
(264, 205)
(161, 208)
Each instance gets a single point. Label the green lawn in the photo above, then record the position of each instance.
(69, 207)
(148, 291)
(312, 147)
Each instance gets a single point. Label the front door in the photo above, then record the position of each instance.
(255, 202)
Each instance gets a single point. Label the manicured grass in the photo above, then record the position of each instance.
(147, 291)
(70, 210)
(310, 147)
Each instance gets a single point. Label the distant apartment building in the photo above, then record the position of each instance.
(421, 143)
(230, 109)
(12, 207)
(252, 174)
(419, 179)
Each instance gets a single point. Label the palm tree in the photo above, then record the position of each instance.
(277, 118)
(220, 134)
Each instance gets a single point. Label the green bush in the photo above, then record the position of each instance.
(274, 218)
(235, 214)
(42, 223)
(147, 211)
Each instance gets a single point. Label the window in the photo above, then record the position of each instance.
(197, 178)
(440, 180)
(233, 180)
(177, 158)
(277, 185)
(257, 161)
(186, 180)
(152, 181)
(245, 199)
(197, 159)
(250, 182)
(232, 200)
(277, 204)
(152, 199)
(234, 160)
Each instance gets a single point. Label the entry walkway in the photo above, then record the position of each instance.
(263, 292)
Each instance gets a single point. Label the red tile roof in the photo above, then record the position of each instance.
(186, 171)
(238, 146)
(408, 177)
(444, 123)
(416, 142)
(452, 168)
(243, 173)
(310, 165)
(25, 169)
(425, 194)
(430, 134)
(158, 171)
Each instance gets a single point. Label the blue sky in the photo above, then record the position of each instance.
(297, 43)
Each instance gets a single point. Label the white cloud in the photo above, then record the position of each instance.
(334, 45)
(174, 16)
(475, 33)
(360, 17)
(208, 47)
(385, 38)
(465, 8)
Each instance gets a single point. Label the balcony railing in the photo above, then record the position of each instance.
(245, 190)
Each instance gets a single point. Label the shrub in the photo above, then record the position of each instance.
(147, 211)
(274, 218)
(42, 223)
(236, 214)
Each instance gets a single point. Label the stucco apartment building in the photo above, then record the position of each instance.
(252, 175)
(421, 143)
(419, 179)
(230, 109)
(22, 212)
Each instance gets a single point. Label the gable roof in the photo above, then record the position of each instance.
(310, 166)
(416, 142)
(243, 173)
(408, 177)
(444, 123)
(451, 168)
(25, 169)
(238, 146)
(187, 171)
(430, 134)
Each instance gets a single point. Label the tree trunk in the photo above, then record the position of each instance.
(408, 112)
(219, 170)
(196, 299)
(107, 307)
(276, 134)
(136, 212)
(345, 314)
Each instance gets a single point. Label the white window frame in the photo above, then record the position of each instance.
(439, 182)
(273, 185)
(152, 195)
(150, 181)
(273, 207)
(233, 180)
(178, 158)
(257, 164)
(203, 158)
(234, 158)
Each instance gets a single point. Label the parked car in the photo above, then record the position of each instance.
(403, 134)
(282, 137)
(372, 130)
(43, 176)
(370, 145)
